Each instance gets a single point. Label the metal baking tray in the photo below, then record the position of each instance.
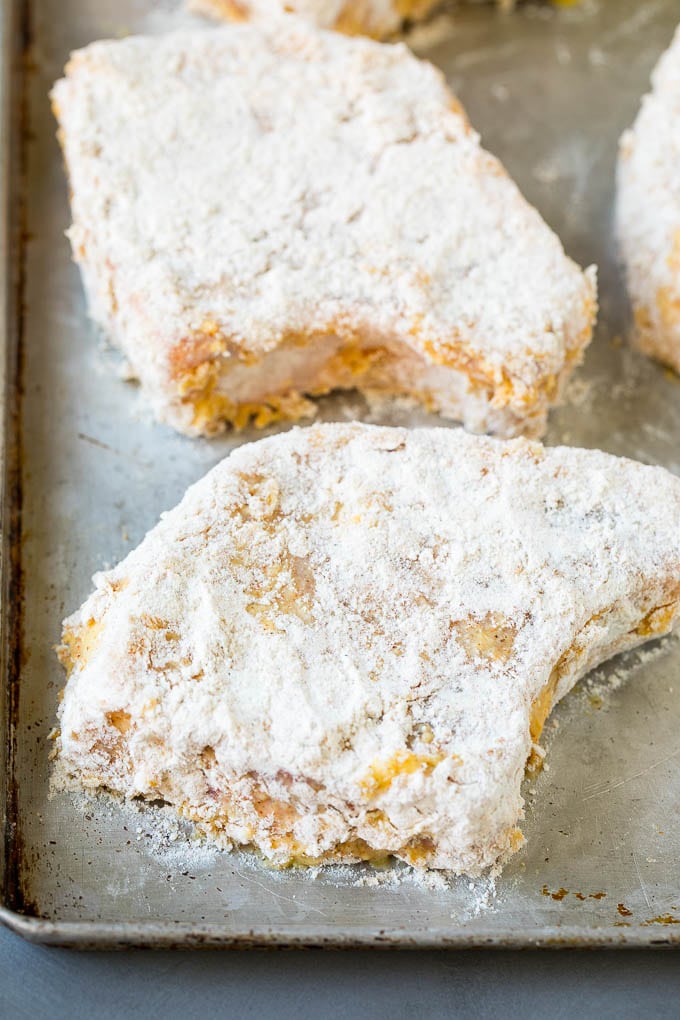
(86, 473)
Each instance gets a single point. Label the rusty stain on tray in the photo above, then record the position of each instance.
(560, 894)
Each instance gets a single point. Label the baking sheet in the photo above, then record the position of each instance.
(550, 92)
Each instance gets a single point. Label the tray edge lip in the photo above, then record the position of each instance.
(102, 935)
(13, 68)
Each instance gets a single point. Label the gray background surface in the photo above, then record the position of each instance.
(38, 982)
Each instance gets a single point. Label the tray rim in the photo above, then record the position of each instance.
(13, 24)
(17, 915)
(101, 935)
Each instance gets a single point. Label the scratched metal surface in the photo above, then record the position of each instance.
(550, 93)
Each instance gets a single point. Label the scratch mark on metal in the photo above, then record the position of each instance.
(279, 896)
(632, 25)
(96, 442)
(484, 53)
(636, 775)
(642, 884)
